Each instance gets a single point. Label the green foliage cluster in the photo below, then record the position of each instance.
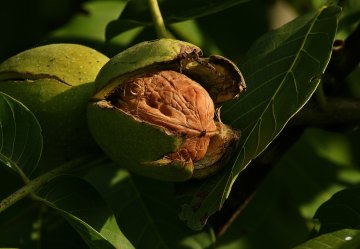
(293, 180)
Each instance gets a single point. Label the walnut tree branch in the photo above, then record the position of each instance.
(337, 111)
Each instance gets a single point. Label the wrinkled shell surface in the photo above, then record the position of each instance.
(173, 101)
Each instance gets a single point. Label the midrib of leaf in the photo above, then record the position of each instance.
(71, 218)
(233, 176)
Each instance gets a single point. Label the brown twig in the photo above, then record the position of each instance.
(337, 111)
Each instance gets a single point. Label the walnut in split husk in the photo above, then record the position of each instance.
(155, 109)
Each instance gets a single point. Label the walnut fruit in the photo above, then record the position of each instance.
(154, 110)
(55, 82)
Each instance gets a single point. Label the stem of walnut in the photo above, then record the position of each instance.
(157, 19)
(33, 185)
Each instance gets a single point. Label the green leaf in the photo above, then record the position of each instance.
(146, 210)
(282, 72)
(137, 13)
(91, 26)
(341, 211)
(20, 136)
(82, 206)
(88, 27)
(317, 166)
(349, 20)
(342, 239)
(191, 32)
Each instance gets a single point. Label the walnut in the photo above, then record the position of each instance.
(153, 110)
(175, 102)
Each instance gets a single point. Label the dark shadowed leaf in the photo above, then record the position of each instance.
(342, 239)
(146, 210)
(317, 166)
(137, 13)
(20, 136)
(282, 72)
(341, 211)
(82, 206)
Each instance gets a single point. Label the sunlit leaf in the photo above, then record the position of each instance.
(342, 239)
(137, 13)
(191, 32)
(282, 72)
(82, 206)
(20, 136)
(88, 27)
(91, 23)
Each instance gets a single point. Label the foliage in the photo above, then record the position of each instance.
(292, 179)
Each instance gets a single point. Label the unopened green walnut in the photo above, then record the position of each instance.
(155, 110)
(55, 82)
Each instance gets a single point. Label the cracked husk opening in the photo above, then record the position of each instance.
(175, 102)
